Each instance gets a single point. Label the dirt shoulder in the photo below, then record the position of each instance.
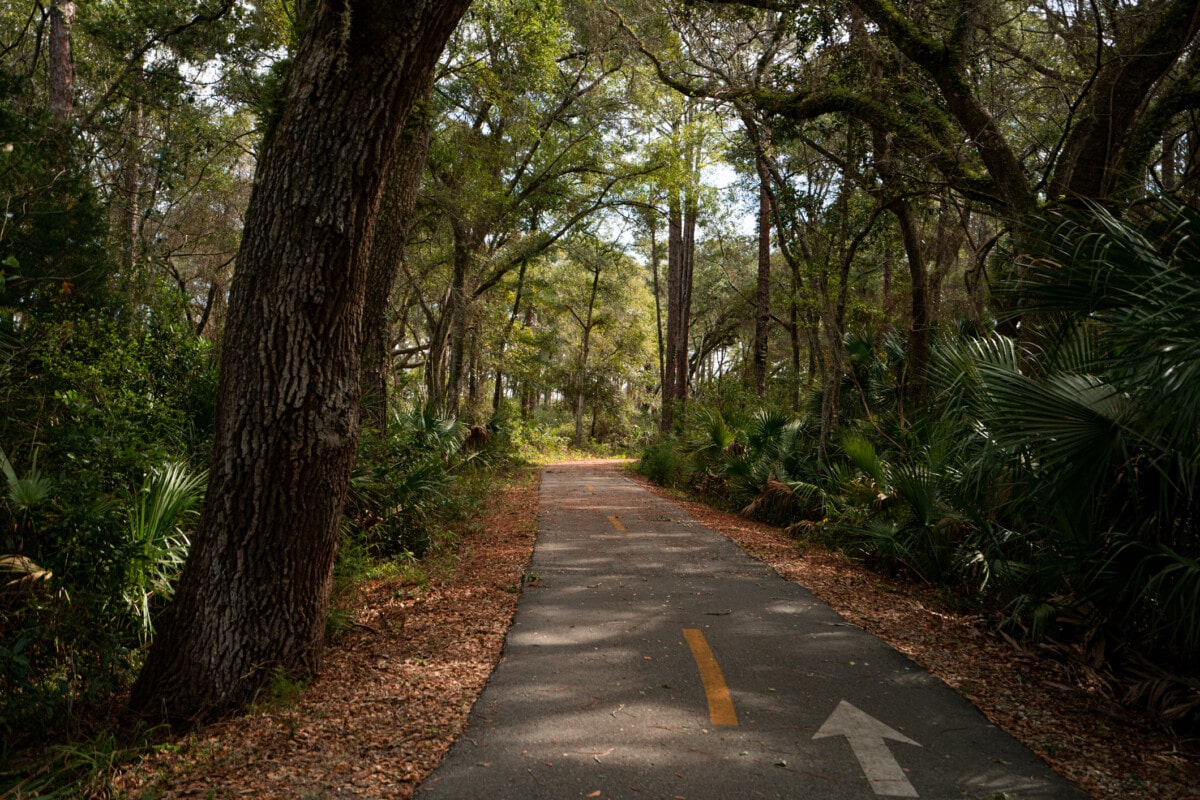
(397, 688)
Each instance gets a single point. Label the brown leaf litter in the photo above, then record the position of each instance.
(1108, 750)
(396, 690)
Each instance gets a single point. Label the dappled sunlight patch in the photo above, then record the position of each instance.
(1102, 747)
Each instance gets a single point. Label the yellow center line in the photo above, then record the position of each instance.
(616, 523)
(720, 704)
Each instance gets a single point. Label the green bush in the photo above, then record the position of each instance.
(662, 463)
(408, 480)
(97, 401)
(534, 442)
(70, 629)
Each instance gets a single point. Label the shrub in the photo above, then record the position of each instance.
(662, 463)
(409, 481)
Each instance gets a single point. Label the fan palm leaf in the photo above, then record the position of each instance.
(24, 492)
(1138, 280)
(157, 543)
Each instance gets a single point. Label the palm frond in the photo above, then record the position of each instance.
(765, 433)
(157, 543)
(28, 491)
(862, 454)
(711, 440)
(916, 485)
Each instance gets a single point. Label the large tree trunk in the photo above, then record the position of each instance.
(61, 61)
(391, 235)
(473, 358)
(254, 591)
(682, 211)
(681, 251)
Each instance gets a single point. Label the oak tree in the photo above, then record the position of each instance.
(253, 594)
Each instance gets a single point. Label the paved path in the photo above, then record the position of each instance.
(656, 660)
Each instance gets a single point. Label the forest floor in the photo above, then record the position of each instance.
(397, 687)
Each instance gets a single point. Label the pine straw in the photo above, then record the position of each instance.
(396, 691)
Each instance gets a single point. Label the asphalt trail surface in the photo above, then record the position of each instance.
(652, 658)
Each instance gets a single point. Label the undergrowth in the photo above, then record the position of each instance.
(397, 528)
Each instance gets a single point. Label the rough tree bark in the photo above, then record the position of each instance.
(473, 358)
(686, 271)
(254, 592)
(683, 326)
(435, 361)
(682, 212)
(387, 248)
(691, 217)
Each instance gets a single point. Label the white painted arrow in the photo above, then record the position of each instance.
(866, 736)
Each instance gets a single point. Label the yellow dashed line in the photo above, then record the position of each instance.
(616, 523)
(720, 704)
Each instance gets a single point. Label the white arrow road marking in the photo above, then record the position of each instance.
(865, 735)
